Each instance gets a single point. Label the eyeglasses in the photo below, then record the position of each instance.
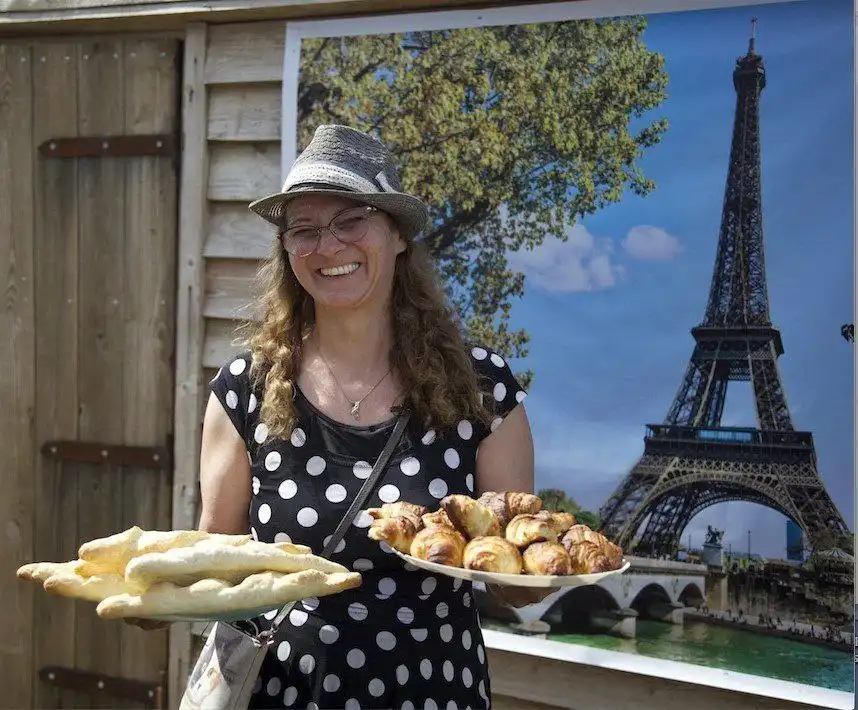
(348, 226)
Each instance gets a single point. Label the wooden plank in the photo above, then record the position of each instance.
(243, 172)
(234, 232)
(189, 326)
(229, 288)
(244, 112)
(101, 311)
(220, 341)
(18, 504)
(151, 92)
(56, 264)
(245, 53)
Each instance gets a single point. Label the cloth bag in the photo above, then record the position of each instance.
(226, 670)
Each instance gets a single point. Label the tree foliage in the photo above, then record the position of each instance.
(556, 499)
(510, 134)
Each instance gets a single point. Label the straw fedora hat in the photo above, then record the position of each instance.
(347, 163)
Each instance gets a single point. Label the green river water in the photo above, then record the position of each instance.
(729, 649)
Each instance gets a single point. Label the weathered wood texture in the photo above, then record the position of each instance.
(88, 246)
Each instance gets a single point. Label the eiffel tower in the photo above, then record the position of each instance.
(691, 462)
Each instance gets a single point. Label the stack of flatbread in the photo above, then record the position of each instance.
(188, 573)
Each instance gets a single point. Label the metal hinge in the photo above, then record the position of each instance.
(109, 146)
(156, 457)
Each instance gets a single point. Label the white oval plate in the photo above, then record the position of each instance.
(238, 615)
(512, 580)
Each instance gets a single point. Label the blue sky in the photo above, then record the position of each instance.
(609, 311)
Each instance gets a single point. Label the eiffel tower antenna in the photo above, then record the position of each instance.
(691, 461)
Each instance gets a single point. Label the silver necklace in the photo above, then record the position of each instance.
(354, 404)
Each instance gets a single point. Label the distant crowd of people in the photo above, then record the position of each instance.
(829, 632)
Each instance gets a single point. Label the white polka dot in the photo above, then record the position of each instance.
(282, 537)
(388, 493)
(253, 534)
(408, 567)
(356, 658)
(384, 547)
(405, 615)
(376, 687)
(264, 513)
(481, 653)
(297, 617)
(298, 437)
(428, 585)
(260, 434)
(451, 705)
(237, 366)
(363, 520)
(290, 696)
(438, 488)
(451, 458)
(419, 634)
(341, 545)
(465, 429)
(497, 360)
(362, 469)
(316, 465)
(442, 610)
(358, 611)
(407, 705)
(310, 603)
(272, 461)
(500, 392)
(336, 493)
(467, 677)
(273, 686)
(448, 670)
(351, 704)
(254, 485)
(306, 663)
(496, 422)
(456, 584)
(283, 650)
(426, 668)
(466, 599)
(386, 641)
(446, 632)
(287, 489)
(270, 614)
(307, 517)
(328, 634)
(479, 353)
(251, 405)
(429, 437)
(410, 466)
(386, 586)
(362, 565)
(402, 675)
(231, 399)
(331, 684)
(482, 688)
(466, 639)
(430, 704)
(520, 396)
(469, 482)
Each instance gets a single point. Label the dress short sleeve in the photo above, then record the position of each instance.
(501, 391)
(232, 387)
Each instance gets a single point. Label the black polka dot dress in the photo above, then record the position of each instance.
(404, 638)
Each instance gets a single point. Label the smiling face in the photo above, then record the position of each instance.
(338, 275)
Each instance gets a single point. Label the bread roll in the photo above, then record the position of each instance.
(493, 554)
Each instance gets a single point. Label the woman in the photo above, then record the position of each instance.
(353, 329)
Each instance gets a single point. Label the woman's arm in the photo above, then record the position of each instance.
(224, 474)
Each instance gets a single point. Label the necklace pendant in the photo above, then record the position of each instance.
(356, 411)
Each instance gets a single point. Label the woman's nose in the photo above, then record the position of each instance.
(328, 243)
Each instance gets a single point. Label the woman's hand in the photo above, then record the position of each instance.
(518, 597)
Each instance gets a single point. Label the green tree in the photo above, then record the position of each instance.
(556, 499)
(511, 134)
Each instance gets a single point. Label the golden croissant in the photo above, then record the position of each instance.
(439, 517)
(397, 532)
(588, 558)
(560, 521)
(440, 544)
(580, 533)
(520, 503)
(548, 558)
(469, 517)
(493, 554)
(400, 509)
(497, 503)
(525, 529)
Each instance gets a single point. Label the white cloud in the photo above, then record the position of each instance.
(582, 263)
(650, 243)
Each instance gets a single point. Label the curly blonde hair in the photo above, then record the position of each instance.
(428, 352)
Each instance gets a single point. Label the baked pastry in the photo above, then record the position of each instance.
(398, 532)
(548, 558)
(440, 544)
(411, 511)
(493, 554)
(439, 517)
(521, 503)
(497, 503)
(560, 521)
(525, 529)
(469, 517)
(589, 558)
(579, 534)
(41, 571)
(91, 589)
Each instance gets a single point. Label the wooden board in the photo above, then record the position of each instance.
(243, 172)
(234, 232)
(229, 288)
(220, 342)
(244, 112)
(244, 53)
(17, 377)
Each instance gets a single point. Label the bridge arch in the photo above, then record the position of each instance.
(650, 594)
(691, 595)
(572, 610)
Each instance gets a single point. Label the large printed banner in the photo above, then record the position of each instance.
(651, 217)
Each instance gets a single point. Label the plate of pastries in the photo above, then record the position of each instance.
(189, 575)
(504, 538)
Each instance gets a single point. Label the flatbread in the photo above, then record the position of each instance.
(40, 571)
(91, 589)
(213, 596)
(187, 565)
